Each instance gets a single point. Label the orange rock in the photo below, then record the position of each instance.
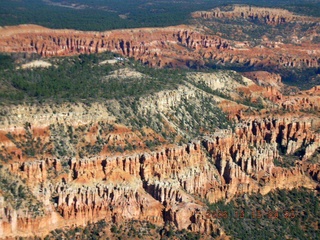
(157, 47)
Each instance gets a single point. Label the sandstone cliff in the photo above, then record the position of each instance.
(79, 163)
(156, 186)
(157, 47)
(271, 16)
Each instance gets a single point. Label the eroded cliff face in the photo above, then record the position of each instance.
(166, 185)
(82, 163)
(271, 16)
(157, 47)
(305, 100)
(151, 46)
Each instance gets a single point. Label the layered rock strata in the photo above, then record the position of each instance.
(271, 16)
(157, 47)
(165, 185)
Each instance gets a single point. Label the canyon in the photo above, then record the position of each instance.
(271, 16)
(161, 47)
(166, 156)
(170, 184)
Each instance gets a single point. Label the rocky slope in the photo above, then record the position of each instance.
(168, 183)
(163, 185)
(147, 45)
(159, 47)
(161, 157)
(271, 16)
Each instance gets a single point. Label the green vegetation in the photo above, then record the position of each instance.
(200, 118)
(191, 117)
(6, 62)
(17, 194)
(254, 33)
(99, 230)
(285, 161)
(82, 79)
(304, 78)
(5, 155)
(113, 14)
(91, 231)
(28, 144)
(98, 15)
(304, 8)
(294, 214)
(315, 158)
(204, 87)
(171, 233)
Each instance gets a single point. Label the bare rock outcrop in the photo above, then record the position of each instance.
(157, 47)
(271, 16)
(166, 185)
